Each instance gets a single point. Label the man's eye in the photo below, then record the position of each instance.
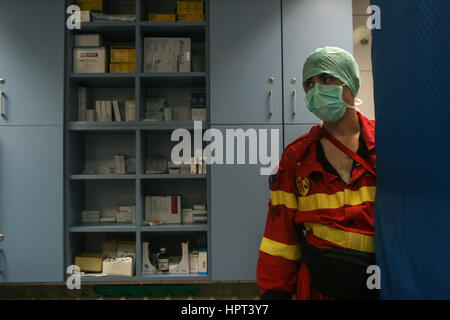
(326, 78)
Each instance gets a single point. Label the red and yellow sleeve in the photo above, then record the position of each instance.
(279, 253)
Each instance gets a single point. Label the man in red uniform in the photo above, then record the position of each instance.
(318, 239)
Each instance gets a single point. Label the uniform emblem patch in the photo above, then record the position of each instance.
(302, 185)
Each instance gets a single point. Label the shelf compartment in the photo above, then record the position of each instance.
(91, 150)
(103, 195)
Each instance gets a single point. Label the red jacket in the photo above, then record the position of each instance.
(334, 213)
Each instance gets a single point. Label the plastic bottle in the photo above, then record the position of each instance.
(163, 260)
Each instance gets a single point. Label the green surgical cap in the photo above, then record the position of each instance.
(333, 61)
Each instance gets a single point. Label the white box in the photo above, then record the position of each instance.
(108, 111)
(89, 60)
(199, 207)
(85, 16)
(118, 267)
(183, 265)
(117, 116)
(82, 104)
(119, 161)
(202, 262)
(98, 110)
(88, 40)
(187, 216)
(103, 111)
(193, 262)
(124, 214)
(166, 209)
(167, 54)
(147, 267)
(107, 219)
(130, 110)
(90, 216)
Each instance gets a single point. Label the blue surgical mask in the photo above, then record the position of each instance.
(325, 102)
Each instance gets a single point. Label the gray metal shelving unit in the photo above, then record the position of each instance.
(134, 136)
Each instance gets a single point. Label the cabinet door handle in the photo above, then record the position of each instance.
(294, 96)
(270, 104)
(2, 237)
(1, 104)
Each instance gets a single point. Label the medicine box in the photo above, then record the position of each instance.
(161, 17)
(85, 16)
(167, 54)
(191, 17)
(89, 60)
(122, 54)
(91, 262)
(166, 209)
(130, 110)
(202, 261)
(118, 267)
(88, 40)
(96, 5)
(190, 7)
(193, 262)
(122, 67)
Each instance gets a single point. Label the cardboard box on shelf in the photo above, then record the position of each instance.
(88, 40)
(166, 209)
(90, 216)
(124, 214)
(119, 161)
(156, 165)
(161, 17)
(118, 267)
(90, 115)
(190, 7)
(155, 109)
(167, 54)
(130, 110)
(191, 17)
(186, 216)
(85, 16)
(91, 262)
(198, 114)
(122, 67)
(89, 60)
(122, 54)
(96, 5)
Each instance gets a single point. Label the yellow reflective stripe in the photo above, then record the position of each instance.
(336, 200)
(362, 195)
(278, 249)
(285, 198)
(349, 240)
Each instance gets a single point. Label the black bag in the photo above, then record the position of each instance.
(339, 273)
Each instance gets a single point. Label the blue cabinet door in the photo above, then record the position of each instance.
(32, 61)
(245, 52)
(308, 25)
(31, 211)
(239, 206)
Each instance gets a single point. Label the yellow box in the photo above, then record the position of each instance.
(191, 17)
(122, 54)
(96, 5)
(92, 262)
(190, 7)
(122, 67)
(161, 17)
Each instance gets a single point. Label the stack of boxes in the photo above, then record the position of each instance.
(122, 60)
(120, 215)
(190, 10)
(89, 54)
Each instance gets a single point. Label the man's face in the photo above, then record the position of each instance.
(326, 79)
